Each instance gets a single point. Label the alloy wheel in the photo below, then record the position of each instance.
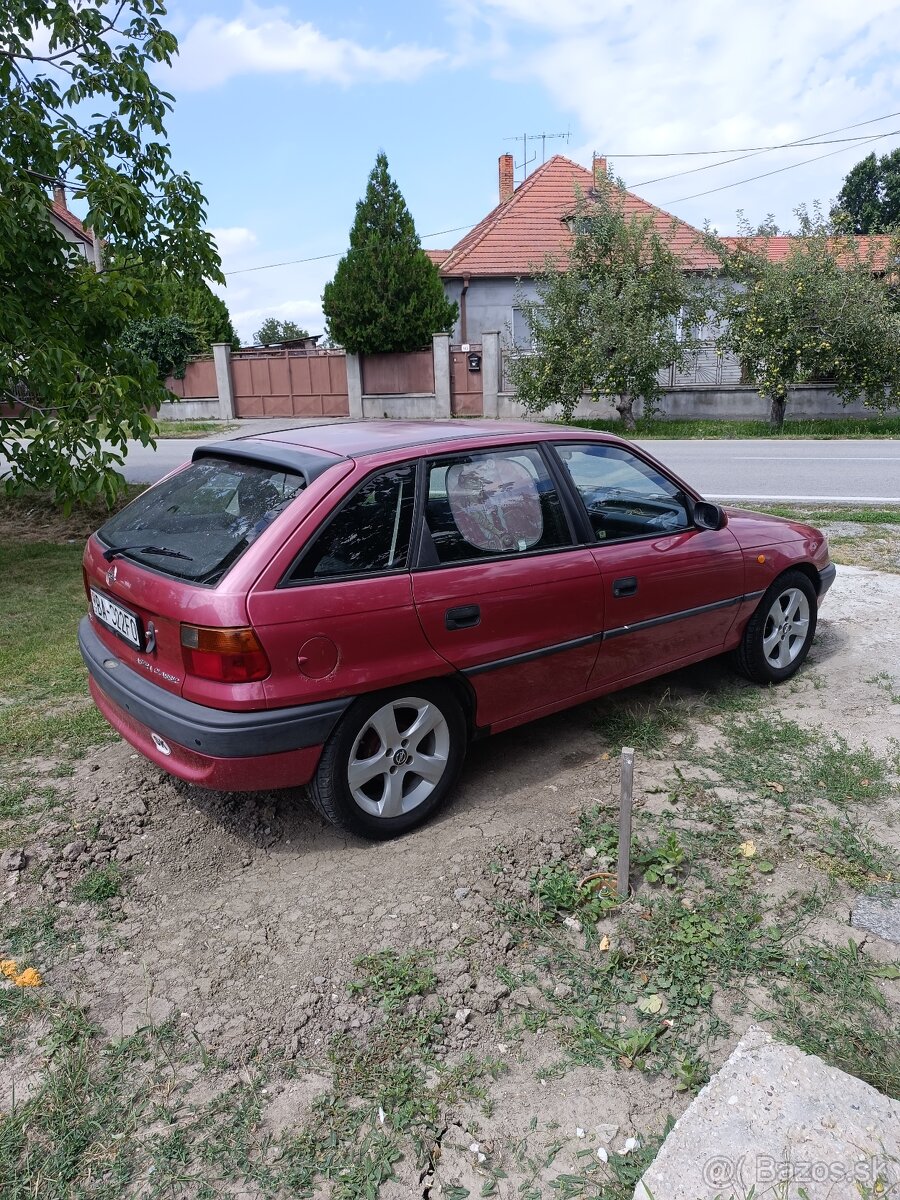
(786, 628)
(399, 757)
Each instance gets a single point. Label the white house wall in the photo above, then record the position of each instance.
(489, 305)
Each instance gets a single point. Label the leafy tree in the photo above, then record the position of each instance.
(869, 201)
(386, 294)
(620, 311)
(821, 313)
(79, 106)
(188, 318)
(168, 342)
(199, 306)
(272, 330)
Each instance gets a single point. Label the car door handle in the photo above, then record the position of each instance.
(464, 617)
(625, 587)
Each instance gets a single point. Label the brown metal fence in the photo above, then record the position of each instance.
(199, 382)
(398, 374)
(289, 383)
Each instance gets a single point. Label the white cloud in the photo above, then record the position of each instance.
(307, 313)
(564, 14)
(668, 75)
(262, 40)
(252, 295)
(233, 241)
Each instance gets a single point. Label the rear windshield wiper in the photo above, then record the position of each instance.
(162, 551)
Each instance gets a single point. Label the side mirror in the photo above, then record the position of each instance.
(709, 516)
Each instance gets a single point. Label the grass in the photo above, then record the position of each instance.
(391, 979)
(772, 756)
(99, 885)
(794, 427)
(107, 1116)
(44, 704)
(36, 932)
(191, 429)
(830, 1004)
(836, 512)
(887, 684)
(643, 725)
(634, 984)
(640, 997)
(848, 851)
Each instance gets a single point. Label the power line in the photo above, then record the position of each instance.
(319, 257)
(807, 141)
(755, 149)
(859, 140)
(750, 153)
(737, 183)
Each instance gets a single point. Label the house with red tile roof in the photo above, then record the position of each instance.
(72, 230)
(496, 261)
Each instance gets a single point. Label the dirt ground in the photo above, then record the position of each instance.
(243, 915)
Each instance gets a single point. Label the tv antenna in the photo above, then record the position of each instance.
(543, 138)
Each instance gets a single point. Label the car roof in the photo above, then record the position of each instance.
(352, 439)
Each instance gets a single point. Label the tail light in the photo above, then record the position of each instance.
(229, 655)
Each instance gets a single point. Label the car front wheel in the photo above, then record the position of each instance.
(391, 761)
(779, 634)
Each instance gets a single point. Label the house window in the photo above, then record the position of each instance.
(522, 335)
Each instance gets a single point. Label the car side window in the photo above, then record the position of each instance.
(623, 495)
(496, 502)
(369, 535)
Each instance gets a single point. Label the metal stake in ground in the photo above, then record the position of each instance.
(626, 787)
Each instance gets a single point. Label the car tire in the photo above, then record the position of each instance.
(391, 761)
(780, 632)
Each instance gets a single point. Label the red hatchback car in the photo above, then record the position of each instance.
(347, 605)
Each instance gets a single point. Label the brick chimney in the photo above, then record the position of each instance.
(599, 169)
(507, 185)
(59, 197)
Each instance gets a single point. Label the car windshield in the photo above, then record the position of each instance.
(198, 523)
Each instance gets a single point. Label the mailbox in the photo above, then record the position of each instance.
(474, 362)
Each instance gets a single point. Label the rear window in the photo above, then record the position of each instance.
(196, 525)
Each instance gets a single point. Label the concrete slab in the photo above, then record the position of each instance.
(776, 1122)
(879, 915)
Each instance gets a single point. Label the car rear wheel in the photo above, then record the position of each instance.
(391, 762)
(779, 634)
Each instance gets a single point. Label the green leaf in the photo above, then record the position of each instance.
(64, 326)
(650, 1004)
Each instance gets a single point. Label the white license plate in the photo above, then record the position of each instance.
(116, 618)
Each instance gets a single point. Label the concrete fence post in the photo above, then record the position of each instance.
(441, 353)
(225, 388)
(354, 385)
(490, 373)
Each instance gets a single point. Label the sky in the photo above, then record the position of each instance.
(281, 110)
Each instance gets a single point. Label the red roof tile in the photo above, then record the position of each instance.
(436, 256)
(71, 221)
(776, 249)
(519, 233)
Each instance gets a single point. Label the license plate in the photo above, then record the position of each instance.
(113, 616)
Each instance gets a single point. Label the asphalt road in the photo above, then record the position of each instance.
(856, 472)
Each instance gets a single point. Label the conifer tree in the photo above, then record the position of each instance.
(386, 294)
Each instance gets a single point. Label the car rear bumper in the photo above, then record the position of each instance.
(240, 751)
